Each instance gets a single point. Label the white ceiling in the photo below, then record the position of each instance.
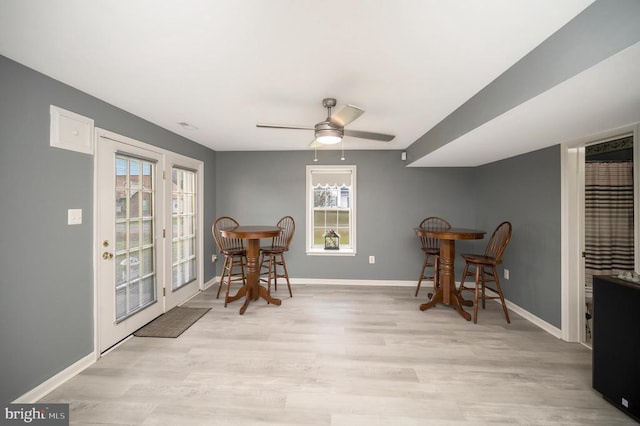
(223, 66)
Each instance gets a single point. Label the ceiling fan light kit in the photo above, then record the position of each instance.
(331, 131)
(326, 134)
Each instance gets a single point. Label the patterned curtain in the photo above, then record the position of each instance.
(608, 218)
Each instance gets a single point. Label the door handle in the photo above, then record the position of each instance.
(107, 255)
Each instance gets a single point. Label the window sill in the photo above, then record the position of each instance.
(323, 252)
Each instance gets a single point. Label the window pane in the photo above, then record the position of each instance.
(121, 203)
(134, 174)
(147, 261)
(146, 204)
(121, 236)
(134, 204)
(147, 293)
(147, 232)
(147, 176)
(134, 234)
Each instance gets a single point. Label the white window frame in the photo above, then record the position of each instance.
(343, 251)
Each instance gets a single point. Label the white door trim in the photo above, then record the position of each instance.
(572, 223)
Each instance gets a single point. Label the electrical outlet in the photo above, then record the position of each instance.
(214, 258)
(372, 259)
(506, 274)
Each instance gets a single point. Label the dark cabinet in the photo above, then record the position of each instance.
(616, 342)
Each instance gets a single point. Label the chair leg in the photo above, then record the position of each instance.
(465, 274)
(286, 274)
(436, 273)
(499, 288)
(224, 270)
(261, 267)
(475, 297)
(423, 275)
(229, 274)
(274, 266)
(243, 264)
(483, 279)
(272, 274)
(424, 267)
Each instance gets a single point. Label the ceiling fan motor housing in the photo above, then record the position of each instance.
(329, 102)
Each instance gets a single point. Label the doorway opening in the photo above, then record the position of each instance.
(608, 216)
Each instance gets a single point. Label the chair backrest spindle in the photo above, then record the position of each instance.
(288, 226)
(226, 243)
(436, 224)
(498, 242)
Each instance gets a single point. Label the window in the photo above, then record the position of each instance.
(331, 205)
(183, 235)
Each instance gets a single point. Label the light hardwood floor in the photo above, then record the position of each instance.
(338, 355)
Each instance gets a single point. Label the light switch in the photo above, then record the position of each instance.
(74, 216)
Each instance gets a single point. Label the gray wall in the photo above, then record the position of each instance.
(525, 190)
(46, 276)
(261, 187)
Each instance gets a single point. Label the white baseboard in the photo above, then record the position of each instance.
(551, 329)
(44, 388)
(388, 283)
(323, 281)
(213, 281)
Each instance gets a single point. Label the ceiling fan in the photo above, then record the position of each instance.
(331, 130)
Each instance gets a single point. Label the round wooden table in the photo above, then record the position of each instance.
(252, 234)
(446, 292)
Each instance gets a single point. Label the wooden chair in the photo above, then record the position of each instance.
(485, 269)
(272, 256)
(234, 255)
(431, 249)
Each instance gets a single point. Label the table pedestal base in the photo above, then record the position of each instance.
(438, 297)
(262, 292)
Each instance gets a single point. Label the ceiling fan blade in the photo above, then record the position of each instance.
(346, 115)
(284, 126)
(369, 135)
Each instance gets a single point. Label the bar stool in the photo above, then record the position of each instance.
(272, 256)
(485, 269)
(431, 249)
(234, 253)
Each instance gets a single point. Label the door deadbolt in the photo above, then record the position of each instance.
(105, 243)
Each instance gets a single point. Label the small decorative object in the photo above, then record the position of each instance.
(331, 240)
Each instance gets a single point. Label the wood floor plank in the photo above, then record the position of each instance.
(340, 355)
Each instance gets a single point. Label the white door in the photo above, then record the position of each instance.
(129, 239)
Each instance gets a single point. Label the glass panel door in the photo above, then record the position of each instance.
(128, 221)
